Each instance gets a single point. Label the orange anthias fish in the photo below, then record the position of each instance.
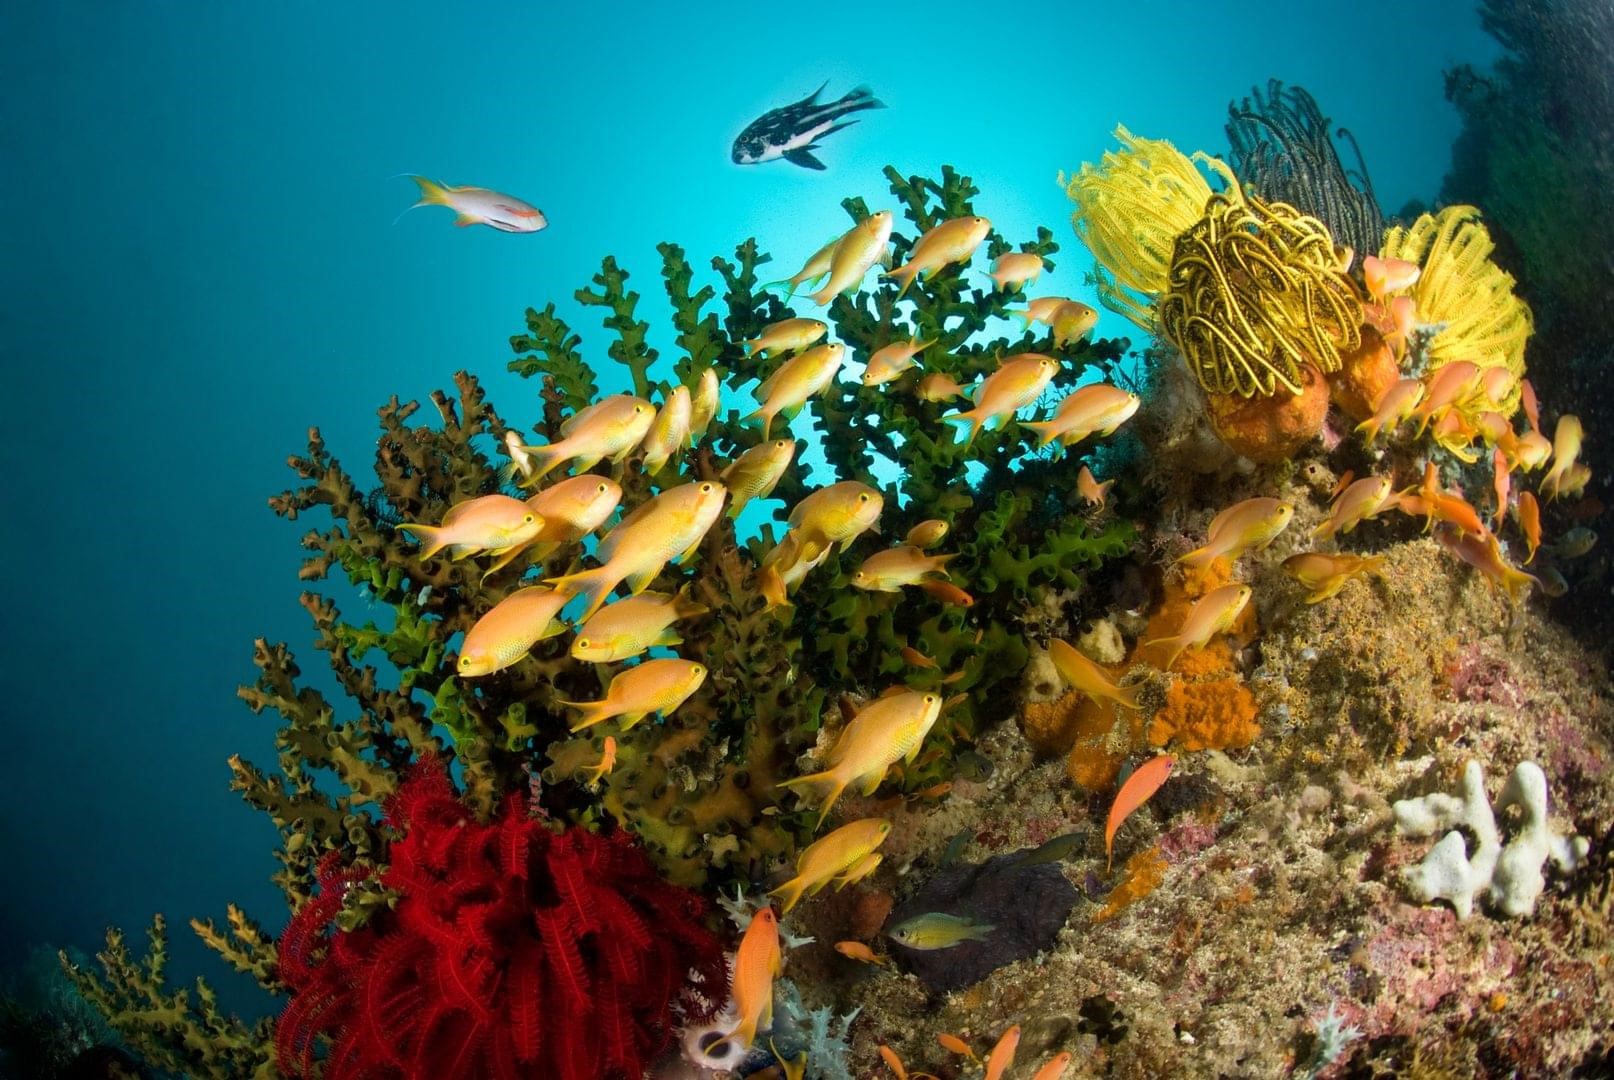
(1139, 787)
(1484, 553)
(669, 431)
(816, 266)
(600, 770)
(1055, 1067)
(480, 206)
(670, 525)
(891, 361)
(938, 387)
(859, 248)
(1325, 574)
(837, 514)
(786, 335)
(856, 950)
(611, 428)
(1015, 384)
(1386, 276)
(755, 473)
(1072, 321)
(492, 523)
(1016, 269)
(1430, 502)
(1566, 441)
(843, 857)
(1002, 1055)
(704, 405)
(1085, 675)
(1250, 525)
(1532, 408)
(1364, 499)
(512, 627)
(1393, 409)
(1088, 487)
(1040, 310)
(1212, 614)
(655, 686)
(572, 509)
(952, 241)
(797, 379)
(757, 963)
(1528, 511)
(927, 534)
(886, 730)
(948, 593)
(1096, 407)
(623, 630)
(1500, 484)
(1447, 386)
(919, 659)
(890, 570)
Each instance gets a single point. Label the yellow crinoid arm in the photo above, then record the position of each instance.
(1130, 209)
(1462, 288)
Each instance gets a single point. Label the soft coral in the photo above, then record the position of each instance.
(510, 946)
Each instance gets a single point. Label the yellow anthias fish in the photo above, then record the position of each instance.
(952, 241)
(771, 584)
(1016, 269)
(1325, 574)
(885, 731)
(938, 387)
(493, 523)
(797, 379)
(892, 360)
(1245, 526)
(755, 473)
(611, 428)
(520, 464)
(1450, 385)
(1212, 614)
(1096, 407)
(1566, 439)
(1072, 321)
(629, 627)
(842, 857)
(669, 431)
(1085, 675)
(856, 251)
(670, 525)
(757, 963)
(837, 514)
(512, 627)
(786, 335)
(1088, 487)
(1393, 409)
(704, 406)
(481, 206)
(890, 570)
(927, 534)
(783, 568)
(816, 266)
(937, 930)
(655, 686)
(1365, 499)
(595, 773)
(856, 950)
(571, 509)
(1040, 310)
(1013, 386)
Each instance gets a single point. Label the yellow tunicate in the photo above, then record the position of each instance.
(1461, 287)
(1130, 209)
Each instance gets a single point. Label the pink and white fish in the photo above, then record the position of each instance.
(480, 206)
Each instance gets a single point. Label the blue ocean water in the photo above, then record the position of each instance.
(200, 261)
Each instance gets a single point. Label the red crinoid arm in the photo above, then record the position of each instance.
(523, 989)
(564, 962)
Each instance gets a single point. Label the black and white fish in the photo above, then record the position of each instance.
(792, 132)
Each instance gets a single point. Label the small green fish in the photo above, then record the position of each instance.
(1575, 543)
(955, 847)
(969, 765)
(1552, 582)
(1056, 850)
(936, 930)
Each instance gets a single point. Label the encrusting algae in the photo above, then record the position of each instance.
(1224, 686)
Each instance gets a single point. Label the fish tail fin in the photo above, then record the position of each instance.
(906, 273)
(589, 712)
(972, 418)
(861, 97)
(790, 893)
(767, 421)
(1197, 558)
(1044, 430)
(1127, 696)
(544, 460)
(431, 192)
(685, 607)
(1369, 430)
(592, 585)
(828, 783)
(432, 538)
(1173, 646)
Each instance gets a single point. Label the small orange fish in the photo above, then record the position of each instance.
(1016, 269)
(1090, 490)
(1532, 410)
(1500, 484)
(1002, 1055)
(816, 266)
(1017, 382)
(512, 627)
(843, 857)
(948, 593)
(1365, 499)
(927, 534)
(938, 387)
(1484, 553)
(891, 361)
(611, 428)
(1386, 276)
(1055, 1068)
(1088, 677)
(917, 658)
(569, 510)
(856, 950)
(1393, 409)
(956, 1045)
(951, 241)
(1143, 783)
(1040, 310)
(757, 964)
(1211, 614)
(1325, 574)
(837, 514)
(480, 206)
(1532, 451)
(1096, 407)
(1528, 511)
(704, 406)
(891, 569)
(1566, 441)
(491, 523)
(886, 730)
(755, 473)
(1574, 481)
(797, 379)
(772, 588)
(1072, 321)
(786, 335)
(603, 767)
(1245, 526)
(654, 686)
(859, 248)
(1448, 385)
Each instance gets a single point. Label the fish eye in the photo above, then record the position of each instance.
(582, 643)
(527, 520)
(930, 699)
(638, 408)
(706, 488)
(465, 661)
(863, 497)
(602, 489)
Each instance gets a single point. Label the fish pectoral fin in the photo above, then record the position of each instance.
(638, 583)
(668, 638)
(871, 783)
(465, 219)
(804, 158)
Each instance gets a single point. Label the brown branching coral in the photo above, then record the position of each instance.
(1255, 293)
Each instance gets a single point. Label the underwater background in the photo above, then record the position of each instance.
(204, 257)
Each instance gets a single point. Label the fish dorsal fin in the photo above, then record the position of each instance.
(812, 98)
(893, 691)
